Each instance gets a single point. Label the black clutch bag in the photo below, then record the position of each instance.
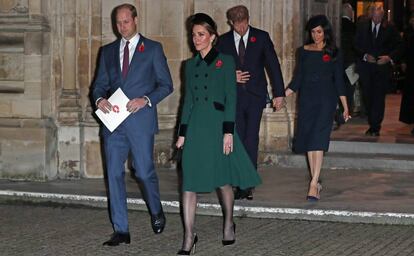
(177, 155)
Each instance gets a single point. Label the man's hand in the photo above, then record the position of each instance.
(288, 92)
(136, 104)
(383, 59)
(370, 58)
(104, 105)
(242, 77)
(278, 103)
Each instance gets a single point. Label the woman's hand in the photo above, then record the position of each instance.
(180, 142)
(288, 92)
(227, 143)
(344, 103)
(346, 115)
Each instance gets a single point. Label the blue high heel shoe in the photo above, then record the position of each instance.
(317, 197)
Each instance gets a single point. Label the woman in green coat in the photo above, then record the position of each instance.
(213, 155)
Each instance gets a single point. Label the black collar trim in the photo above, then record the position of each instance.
(210, 57)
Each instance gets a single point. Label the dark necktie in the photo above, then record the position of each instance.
(374, 32)
(242, 50)
(125, 61)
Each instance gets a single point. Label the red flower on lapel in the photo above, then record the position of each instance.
(253, 39)
(326, 57)
(219, 63)
(141, 47)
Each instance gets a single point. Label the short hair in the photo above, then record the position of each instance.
(207, 22)
(347, 10)
(237, 13)
(130, 7)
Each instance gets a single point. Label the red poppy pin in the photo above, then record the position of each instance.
(253, 39)
(219, 63)
(141, 47)
(326, 57)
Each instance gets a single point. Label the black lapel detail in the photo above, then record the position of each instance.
(218, 106)
(211, 56)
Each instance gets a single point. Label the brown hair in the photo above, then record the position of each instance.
(207, 22)
(237, 13)
(130, 7)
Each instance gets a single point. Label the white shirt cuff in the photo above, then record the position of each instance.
(96, 102)
(149, 101)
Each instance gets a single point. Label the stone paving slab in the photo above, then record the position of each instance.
(35, 230)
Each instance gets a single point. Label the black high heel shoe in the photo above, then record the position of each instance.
(192, 249)
(230, 242)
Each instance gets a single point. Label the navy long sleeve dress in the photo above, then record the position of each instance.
(319, 80)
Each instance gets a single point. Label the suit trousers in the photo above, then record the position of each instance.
(375, 81)
(248, 116)
(118, 145)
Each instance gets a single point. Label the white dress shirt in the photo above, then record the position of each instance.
(237, 39)
(132, 46)
(133, 42)
(377, 27)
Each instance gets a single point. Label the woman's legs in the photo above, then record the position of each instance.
(227, 205)
(189, 209)
(315, 164)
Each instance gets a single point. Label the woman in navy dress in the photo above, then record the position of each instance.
(319, 80)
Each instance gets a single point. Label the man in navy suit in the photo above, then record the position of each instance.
(253, 52)
(378, 46)
(138, 66)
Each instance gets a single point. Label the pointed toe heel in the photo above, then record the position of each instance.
(192, 250)
(230, 242)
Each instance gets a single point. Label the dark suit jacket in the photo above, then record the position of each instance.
(260, 54)
(388, 41)
(148, 75)
(348, 30)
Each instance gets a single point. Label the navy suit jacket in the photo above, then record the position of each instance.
(260, 54)
(148, 75)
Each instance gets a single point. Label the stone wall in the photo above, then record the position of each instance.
(48, 55)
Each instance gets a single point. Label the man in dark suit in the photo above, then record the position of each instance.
(378, 46)
(348, 29)
(253, 52)
(138, 66)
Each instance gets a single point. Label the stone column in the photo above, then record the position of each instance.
(69, 110)
(164, 21)
(27, 132)
(89, 21)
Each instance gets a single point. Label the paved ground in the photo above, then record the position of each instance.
(56, 230)
(358, 191)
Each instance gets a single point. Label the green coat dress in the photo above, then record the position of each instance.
(209, 111)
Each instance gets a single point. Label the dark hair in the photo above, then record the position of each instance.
(207, 22)
(329, 39)
(237, 13)
(130, 7)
